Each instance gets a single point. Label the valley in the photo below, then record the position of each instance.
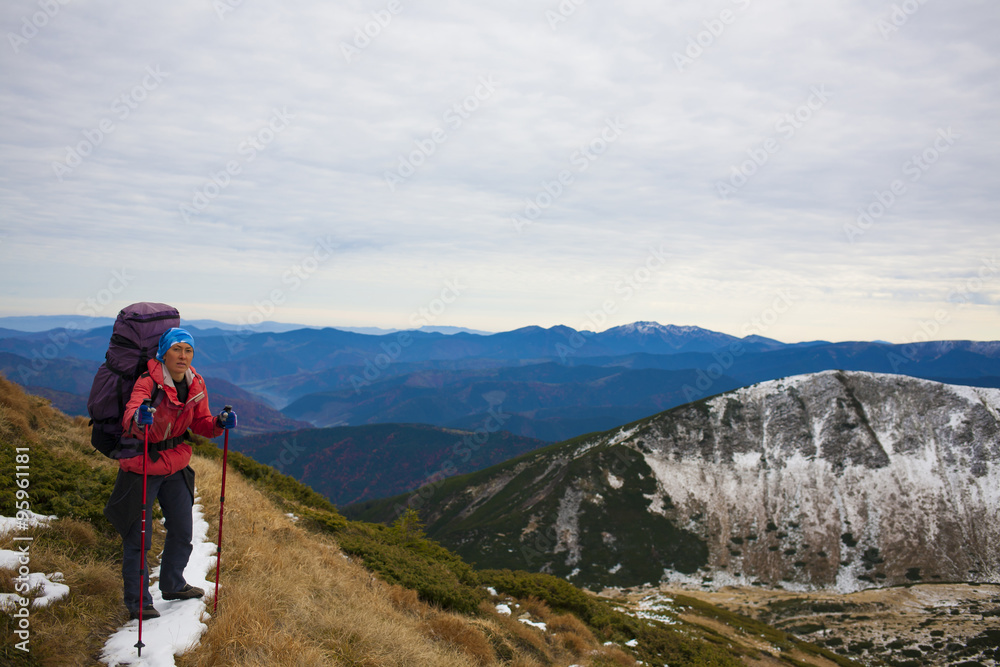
(904, 626)
(833, 480)
(812, 487)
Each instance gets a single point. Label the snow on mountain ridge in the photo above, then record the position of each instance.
(836, 479)
(648, 328)
(830, 480)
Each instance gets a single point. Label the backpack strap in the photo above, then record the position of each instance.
(156, 447)
(155, 395)
(122, 400)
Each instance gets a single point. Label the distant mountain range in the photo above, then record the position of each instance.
(254, 415)
(556, 383)
(814, 464)
(40, 323)
(351, 464)
(848, 474)
(828, 480)
(66, 383)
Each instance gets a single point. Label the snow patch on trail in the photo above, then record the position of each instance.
(181, 623)
(534, 624)
(27, 519)
(46, 588)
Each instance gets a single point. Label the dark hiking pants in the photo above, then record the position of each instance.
(176, 500)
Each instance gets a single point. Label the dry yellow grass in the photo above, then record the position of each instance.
(460, 633)
(288, 596)
(18, 413)
(71, 631)
(572, 633)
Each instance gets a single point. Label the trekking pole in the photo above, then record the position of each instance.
(222, 504)
(142, 545)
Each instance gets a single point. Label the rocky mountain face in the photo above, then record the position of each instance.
(840, 479)
(830, 480)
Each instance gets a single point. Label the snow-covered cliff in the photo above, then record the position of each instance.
(836, 479)
(829, 480)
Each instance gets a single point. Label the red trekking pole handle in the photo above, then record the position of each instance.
(222, 504)
(142, 545)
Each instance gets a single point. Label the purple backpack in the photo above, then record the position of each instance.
(134, 340)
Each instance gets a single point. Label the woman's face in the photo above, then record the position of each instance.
(178, 359)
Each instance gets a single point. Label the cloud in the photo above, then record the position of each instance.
(753, 134)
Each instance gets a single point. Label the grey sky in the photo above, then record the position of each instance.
(509, 163)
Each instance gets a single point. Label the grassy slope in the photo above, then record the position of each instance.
(316, 589)
(646, 544)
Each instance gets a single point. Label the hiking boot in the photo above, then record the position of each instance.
(147, 613)
(187, 593)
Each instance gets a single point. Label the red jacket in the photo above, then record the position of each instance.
(170, 419)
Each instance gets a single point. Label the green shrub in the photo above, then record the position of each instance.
(323, 520)
(438, 576)
(657, 642)
(266, 477)
(58, 485)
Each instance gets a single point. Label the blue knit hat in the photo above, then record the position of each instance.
(170, 338)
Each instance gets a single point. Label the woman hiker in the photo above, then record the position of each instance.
(179, 402)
